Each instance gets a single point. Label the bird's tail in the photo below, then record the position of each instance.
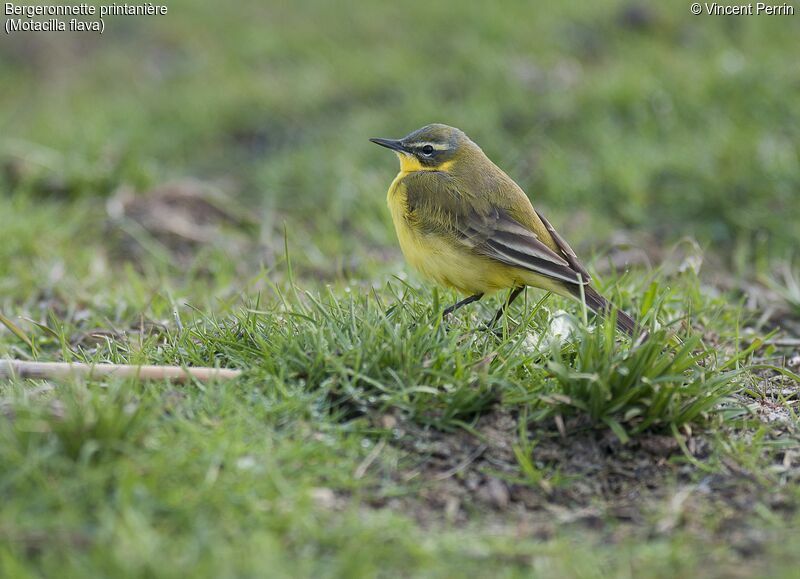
(601, 306)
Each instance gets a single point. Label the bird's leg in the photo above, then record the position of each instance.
(464, 302)
(511, 297)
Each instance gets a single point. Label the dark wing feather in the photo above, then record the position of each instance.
(568, 252)
(498, 236)
(436, 206)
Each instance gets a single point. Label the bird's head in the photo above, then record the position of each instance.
(432, 148)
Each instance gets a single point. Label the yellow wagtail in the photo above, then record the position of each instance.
(462, 222)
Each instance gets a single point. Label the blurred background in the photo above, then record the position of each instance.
(631, 124)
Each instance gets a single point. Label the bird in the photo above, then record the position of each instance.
(463, 223)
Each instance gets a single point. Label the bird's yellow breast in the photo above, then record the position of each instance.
(443, 260)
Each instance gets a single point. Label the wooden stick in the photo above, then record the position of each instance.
(48, 370)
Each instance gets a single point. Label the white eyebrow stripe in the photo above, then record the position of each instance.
(435, 146)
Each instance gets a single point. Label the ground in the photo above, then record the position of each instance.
(199, 189)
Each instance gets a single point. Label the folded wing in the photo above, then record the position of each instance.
(436, 206)
(497, 235)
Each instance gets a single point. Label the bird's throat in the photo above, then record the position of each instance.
(410, 164)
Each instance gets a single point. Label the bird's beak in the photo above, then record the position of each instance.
(390, 144)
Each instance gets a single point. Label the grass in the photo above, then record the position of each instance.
(787, 285)
(367, 436)
(269, 462)
(647, 386)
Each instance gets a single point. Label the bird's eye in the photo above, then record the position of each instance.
(427, 150)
